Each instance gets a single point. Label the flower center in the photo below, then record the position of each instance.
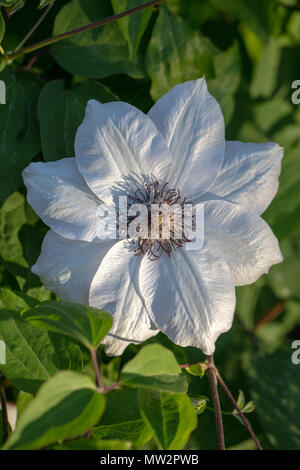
(164, 213)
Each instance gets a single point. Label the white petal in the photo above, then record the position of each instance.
(190, 296)
(59, 195)
(192, 123)
(246, 241)
(67, 267)
(114, 140)
(115, 290)
(249, 174)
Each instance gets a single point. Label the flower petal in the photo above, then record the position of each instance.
(114, 140)
(191, 121)
(59, 195)
(249, 175)
(67, 267)
(115, 290)
(189, 295)
(246, 241)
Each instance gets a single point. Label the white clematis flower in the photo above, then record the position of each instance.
(187, 294)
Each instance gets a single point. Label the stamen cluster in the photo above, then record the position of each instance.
(159, 194)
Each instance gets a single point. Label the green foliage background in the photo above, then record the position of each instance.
(249, 52)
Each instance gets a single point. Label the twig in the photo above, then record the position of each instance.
(200, 364)
(224, 413)
(33, 59)
(8, 13)
(37, 24)
(210, 371)
(270, 316)
(111, 387)
(4, 413)
(97, 369)
(213, 375)
(96, 24)
(240, 413)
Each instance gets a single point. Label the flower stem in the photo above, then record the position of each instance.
(96, 24)
(270, 316)
(240, 413)
(97, 369)
(30, 33)
(4, 413)
(210, 371)
(224, 413)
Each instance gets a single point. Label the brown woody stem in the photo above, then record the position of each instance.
(4, 413)
(96, 367)
(240, 413)
(270, 316)
(210, 372)
(96, 24)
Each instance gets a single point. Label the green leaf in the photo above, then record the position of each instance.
(246, 302)
(228, 73)
(19, 131)
(96, 53)
(3, 63)
(284, 277)
(293, 27)
(10, 3)
(93, 444)
(155, 368)
(132, 26)
(199, 403)
(61, 111)
(245, 408)
(23, 400)
(21, 235)
(2, 27)
(32, 355)
(122, 419)
(274, 385)
(270, 113)
(195, 369)
(1, 428)
(258, 15)
(176, 54)
(249, 407)
(253, 44)
(284, 213)
(66, 406)
(13, 215)
(170, 416)
(265, 76)
(44, 3)
(88, 325)
(241, 399)
(193, 12)
(287, 135)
